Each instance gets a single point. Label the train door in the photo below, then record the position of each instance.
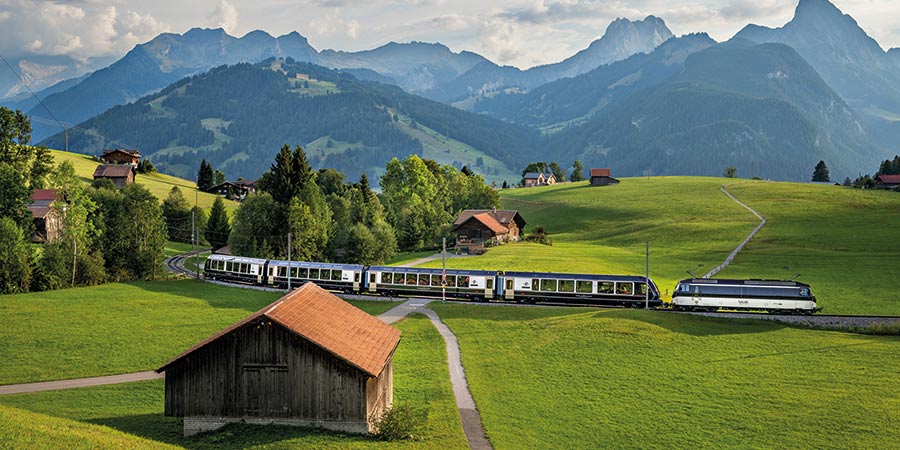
(373, 281)
(695, 294)
(510, 289)
(356, 280)
(488, 288)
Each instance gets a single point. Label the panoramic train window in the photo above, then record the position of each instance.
(325, 274)
(548, 285)
(639, 288)
(624, 288)
(337, 274)
(463, 281)
(313, 273)
(423, 280)
(566, 285)
(228, 266)
(605, 287)
(584, 287)
(411, 279)
(435, 280)
(399, 278)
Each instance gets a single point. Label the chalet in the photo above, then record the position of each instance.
(120, 156)
(477, 227)
(239, 189)
(308, 359)
(120, 174)
(539, 179)
(48, 221)
(887, 181)
(602, 177)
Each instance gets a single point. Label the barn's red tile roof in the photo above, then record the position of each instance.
(43, 195)
(112, 171)
(322, 318)
(600, 173)
(489, 221)
(889, 179)
(39, 212)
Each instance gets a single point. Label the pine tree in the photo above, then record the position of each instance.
(821, 172)
(218, 227)
(205, 176)
(577, 171)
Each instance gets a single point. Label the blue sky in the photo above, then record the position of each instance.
(87, 34)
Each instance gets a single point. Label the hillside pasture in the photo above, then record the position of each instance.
(586, 378)
(131, 415)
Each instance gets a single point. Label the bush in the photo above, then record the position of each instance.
(400, 422)
(540, 236)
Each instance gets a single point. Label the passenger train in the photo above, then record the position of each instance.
(705, 294)
(478, 285)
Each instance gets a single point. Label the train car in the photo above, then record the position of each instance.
(706, 294)
(582, 289)
(468, 284)
(235, 268)
(335, 277)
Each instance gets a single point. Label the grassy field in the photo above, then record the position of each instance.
(159, 184)
(108, 412)
(582, 378)
(118, 328)
(837, 238)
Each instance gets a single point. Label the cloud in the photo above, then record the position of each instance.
(332, 24)
(4, 15)
(225, 16)
(498, 37)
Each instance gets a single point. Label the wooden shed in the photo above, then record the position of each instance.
(119, 174)
(602, 177)
(308, 359)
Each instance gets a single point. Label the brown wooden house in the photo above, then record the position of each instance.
(120, 156)
(308, 359)
(602, 177)
(476, 228)
(48, 221)
(887, 181)
(239, 189)
(120, 174)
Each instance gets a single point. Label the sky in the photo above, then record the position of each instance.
(523, 33)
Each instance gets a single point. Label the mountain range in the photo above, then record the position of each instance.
(638, 99)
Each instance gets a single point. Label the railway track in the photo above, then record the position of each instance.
(175, 264)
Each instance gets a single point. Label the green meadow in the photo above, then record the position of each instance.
(840, 240)
(131, 415)
(588, 378)
(118, 327)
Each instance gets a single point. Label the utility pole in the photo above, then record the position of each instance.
(67, 140)
(289, 262)
(193, 236)
(194, 233)
(647, 279)
(74, 257)
(443, 270)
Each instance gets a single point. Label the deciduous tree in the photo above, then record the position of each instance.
(577, 171)
(15, 271)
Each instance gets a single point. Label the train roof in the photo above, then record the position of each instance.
(315, 265)
(240, 259)
(573, 276)
(431, 271)
(751, 282)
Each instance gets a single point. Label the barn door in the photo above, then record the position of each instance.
(265, 390)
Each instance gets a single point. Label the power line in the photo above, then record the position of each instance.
(22, 80)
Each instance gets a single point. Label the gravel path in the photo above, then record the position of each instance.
(78, 382)
(744, 242)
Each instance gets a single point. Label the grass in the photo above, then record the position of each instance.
(159, 184)
(118, 328)
(581, 378)
(839, 239)
(407, 257)
(420, 376)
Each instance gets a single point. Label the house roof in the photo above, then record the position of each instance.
(532, 175)
(39, 212)
(491, 222)
(133, 153)
(600, 173)
(44, 195)
(112, 171)
(889, 179)
(500, 217)
(323, 319)
(248, 183)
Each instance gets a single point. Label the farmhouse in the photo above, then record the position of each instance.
(239, 189)
(887, 181)
(120, 174)
(119, 156)
(602, 177)
(48, 221)
(476, 227)
(308, 359)
(539, 179)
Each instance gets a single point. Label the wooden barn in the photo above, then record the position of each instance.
(308, 359)
(476, 227)
(120, 156)
(48, 221)
(119, 174)
(602, 177)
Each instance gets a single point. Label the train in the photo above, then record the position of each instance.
(455, 284)
(774, 296)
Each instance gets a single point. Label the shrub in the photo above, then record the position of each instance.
(540, 236)
(400, 422)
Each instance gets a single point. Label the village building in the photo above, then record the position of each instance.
(48, 221)
(239, 189)
(120, 156)
(602, 177)
(539, 179)
(476, 228)
(119, 174)
(308, 359)
(887, 181)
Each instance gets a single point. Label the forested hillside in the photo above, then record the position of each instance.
(237, 117)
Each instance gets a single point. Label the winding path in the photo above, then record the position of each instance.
(78, 382)
(740, 246)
